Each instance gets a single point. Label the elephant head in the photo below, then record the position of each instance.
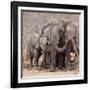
(59, 30)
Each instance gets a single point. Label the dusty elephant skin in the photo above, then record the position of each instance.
(33, 48)
(70, 35)
(53, 33)
(73, 35)
(60, 60)
(46, 35)
(70, 55)
(72, 46)
(43, 47)
(37, 47)
(56, 41)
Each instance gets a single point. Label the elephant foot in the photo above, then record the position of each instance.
(70, 69)
(35, 65)
(39, 68)
(30, 66)
(66, 69)
(52, 69)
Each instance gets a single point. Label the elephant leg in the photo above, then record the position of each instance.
(30, 58)
(35, 59)
(41, 60)
(53, 61)
(71, 66)
(47, 59)
(67, 61)
(59, 61)
(63, 59)
(31, 64)
(74, 47)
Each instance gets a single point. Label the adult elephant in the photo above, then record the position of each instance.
(72, 36)
(53, 33)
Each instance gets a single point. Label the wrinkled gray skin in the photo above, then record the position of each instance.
(34, 49)
(69, 49)
(71, 36)
(43, 47)
(60, 60)
(53, 33)
(37, 47)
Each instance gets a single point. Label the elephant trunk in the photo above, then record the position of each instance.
(62, 49)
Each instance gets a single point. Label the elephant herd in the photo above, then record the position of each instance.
(56, 46)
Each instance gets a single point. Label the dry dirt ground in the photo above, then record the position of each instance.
(29, 72)
(45, 72)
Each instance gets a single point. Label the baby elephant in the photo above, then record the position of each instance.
(43, 46)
